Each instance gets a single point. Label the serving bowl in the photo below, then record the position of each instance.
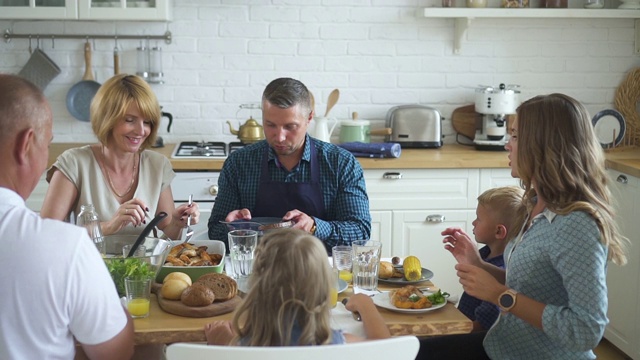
(194, 272)
(156, 251)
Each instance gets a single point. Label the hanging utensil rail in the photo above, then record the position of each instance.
(8, 35)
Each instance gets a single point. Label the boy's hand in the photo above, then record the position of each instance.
(461, 246)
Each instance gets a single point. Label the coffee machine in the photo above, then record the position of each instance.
(493, 106)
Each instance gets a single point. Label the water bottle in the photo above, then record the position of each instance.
(89, 219)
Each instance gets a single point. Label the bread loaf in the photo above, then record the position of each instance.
(197, 295)
(177, 275)
(223, 287)
(386, 270)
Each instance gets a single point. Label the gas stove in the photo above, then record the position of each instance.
(205, 149)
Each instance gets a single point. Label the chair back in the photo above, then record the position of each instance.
(396, 348)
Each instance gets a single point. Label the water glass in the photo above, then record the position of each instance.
(333, 295)
(138, 290)
(342, 261)
(242, 245)
(366, 261)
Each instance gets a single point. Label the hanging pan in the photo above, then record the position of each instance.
(80, 95)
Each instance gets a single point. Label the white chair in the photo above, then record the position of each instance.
(396, 348)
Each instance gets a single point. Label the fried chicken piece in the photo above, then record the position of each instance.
(172, 260)
(409, 297)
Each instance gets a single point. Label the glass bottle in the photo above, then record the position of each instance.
(89, 219)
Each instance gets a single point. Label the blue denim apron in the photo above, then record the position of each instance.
(276, 198)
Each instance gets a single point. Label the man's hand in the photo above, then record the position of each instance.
(242, 214)
(302, 221)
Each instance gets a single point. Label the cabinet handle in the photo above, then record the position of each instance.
(435, 218)
(213, 190)
(392, 175)
(622, 179)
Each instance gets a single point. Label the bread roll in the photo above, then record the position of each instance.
(172, 289)
(197, 295)
(386, 270)
(178, 275)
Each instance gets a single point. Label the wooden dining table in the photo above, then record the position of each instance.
(163, 328)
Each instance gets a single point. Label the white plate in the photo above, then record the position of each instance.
(382, 300)
(342, 285)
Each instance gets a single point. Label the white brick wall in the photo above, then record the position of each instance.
(380, 53)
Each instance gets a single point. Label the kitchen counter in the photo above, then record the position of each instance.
(448, 157)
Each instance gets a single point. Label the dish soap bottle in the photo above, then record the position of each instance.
(89, 219)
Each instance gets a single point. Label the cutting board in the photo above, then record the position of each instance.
(176, 307)
(463, 120)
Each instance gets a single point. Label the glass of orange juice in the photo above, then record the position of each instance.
(333, 291)
(342, 261)
(138, 290)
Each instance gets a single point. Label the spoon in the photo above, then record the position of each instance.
(146, 232)
(333, 99)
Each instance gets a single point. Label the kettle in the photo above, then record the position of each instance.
(159, 141)
(322, 131)
(248, 133)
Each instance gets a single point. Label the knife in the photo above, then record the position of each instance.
(355, 314)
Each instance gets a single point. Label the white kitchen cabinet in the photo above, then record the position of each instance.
(623, 282)
(411, 207)
(143, 10)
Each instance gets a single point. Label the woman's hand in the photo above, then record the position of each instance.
(479, 283)
(461, 246)
(133, 212)
(219, 332)
(182, 212)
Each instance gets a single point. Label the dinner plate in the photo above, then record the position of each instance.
(383, 300)
(342, 285)
(426, 275)
(606, 123)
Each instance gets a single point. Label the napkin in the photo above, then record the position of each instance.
(342, 319)
(374, 150)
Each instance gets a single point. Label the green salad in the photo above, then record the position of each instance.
(438, 297)
(120, 268)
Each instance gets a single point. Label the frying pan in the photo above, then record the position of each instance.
(80, 95)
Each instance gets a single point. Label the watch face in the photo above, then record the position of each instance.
(506, 300)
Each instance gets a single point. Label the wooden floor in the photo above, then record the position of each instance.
(607, 351)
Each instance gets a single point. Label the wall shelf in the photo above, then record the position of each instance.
(463, 16)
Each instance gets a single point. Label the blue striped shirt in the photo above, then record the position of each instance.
(343, 188)
(475, 309)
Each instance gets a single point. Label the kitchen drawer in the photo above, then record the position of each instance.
(416, 189)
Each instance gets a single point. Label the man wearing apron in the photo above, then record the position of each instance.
(292, 176)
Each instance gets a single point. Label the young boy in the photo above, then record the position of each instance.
(499, 217)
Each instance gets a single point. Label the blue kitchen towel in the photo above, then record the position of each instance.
(377, 150)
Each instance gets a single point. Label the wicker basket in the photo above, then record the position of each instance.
(626, 99)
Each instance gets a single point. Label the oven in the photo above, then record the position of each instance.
(202, 184)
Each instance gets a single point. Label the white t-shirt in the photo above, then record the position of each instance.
(54, 285)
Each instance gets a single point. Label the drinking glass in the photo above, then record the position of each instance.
(242, 245)
(333, 295)
(342, 261)
(366, 261)
(138, 290)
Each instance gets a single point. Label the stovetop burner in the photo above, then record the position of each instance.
(205, 149)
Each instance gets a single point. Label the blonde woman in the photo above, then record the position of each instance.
(553, 294)
(126, 183)
(288, 303)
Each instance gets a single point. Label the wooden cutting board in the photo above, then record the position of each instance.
(176, 307)
(464, 120)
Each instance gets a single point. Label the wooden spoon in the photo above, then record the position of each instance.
(333, 99)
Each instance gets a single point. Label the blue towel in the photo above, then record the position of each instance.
(373, 150)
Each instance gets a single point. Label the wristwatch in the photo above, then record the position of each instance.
(313, 229)
(507, 300)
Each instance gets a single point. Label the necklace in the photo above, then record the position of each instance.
(133, 176)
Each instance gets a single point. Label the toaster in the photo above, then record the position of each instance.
(414, 126)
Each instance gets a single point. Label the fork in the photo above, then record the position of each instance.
(189, 229)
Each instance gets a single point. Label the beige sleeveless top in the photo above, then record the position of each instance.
(81, 167)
